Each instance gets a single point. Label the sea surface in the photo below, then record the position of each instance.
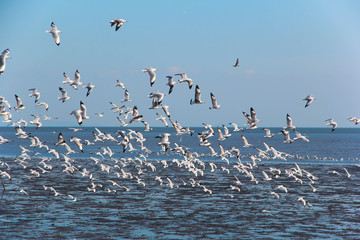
(312, 191)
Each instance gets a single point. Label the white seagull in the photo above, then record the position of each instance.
(64, 97)
(151, 71)
(197, 96)
(330, 122)
(289, 122)
(76, 81)
(55, 33)
(43, 104)
(171, 83)
(3, 57)
(35, 94)
(77, 114)
(214, 103)
(299, 136)
(120, 84)
(163, 119)
(158, 95)
(119, 22)
(354, 119)
(83, 111)
(246, 144)
(309, 99)
(184, 78)
(19, 103)
(36, 121)
(268, 134)
(127, 96)
(89, 88)
(67, 79)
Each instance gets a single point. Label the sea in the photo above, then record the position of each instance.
(297, 190)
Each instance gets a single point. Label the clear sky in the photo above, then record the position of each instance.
(287, 50)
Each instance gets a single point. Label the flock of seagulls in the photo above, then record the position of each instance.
(136, 167)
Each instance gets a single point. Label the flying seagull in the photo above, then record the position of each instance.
(214, 103)
(289, 122)
(64, 95)
(19, 103)
(184, 78)
(3, 57)
(309, 99)
(77, 114)
(197, 96)
(76, 81)
(34, 93)
(171, 83)
(119, 22)
(89, 88)
(120, 84)
(236, 65)
(151, 71)
(330, 122)
(55, 33)
(354, 119)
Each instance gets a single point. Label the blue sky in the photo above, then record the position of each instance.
(287, 50)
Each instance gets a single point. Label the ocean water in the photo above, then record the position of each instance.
(166, 195)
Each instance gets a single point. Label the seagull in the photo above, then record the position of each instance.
(332, 123)
(36, 121)
(197, 96)
(164, 140)
(184, 78)
(289, 122)
(78, 143)
(120, 84)
(61, 140)
(251, 119)
(136, 118)
(158, 95)
(309, 99)
(4, 101)
(77, 114)
(3, 57)
(163, 119)
(89, 88)
(354, 119)
(76, 81)
(83, 111)
(100, 114)
(64, 97)
(171, 83)
(299, 136)
(151, 71)
(43, 104)
(287, 136)
(119, 22)
(55, 33)
(67, 79)
(268, 134)
(147, 126)
(18, 103)
(236, 128)
(34, 93)
(214, 102)
(236, 65)
(126, 97)
(246, 144)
